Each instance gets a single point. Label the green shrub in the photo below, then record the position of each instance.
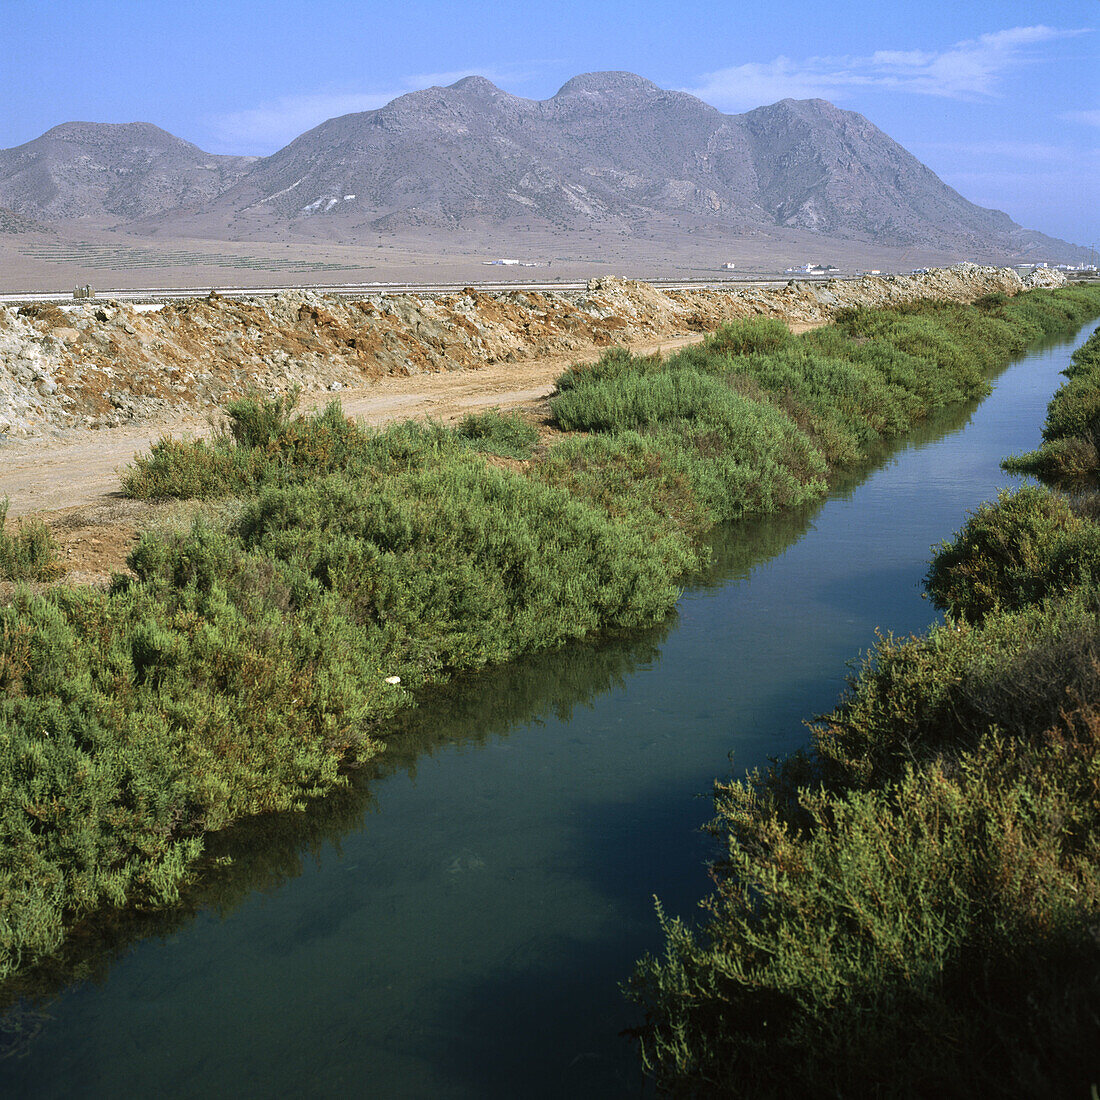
(1027, 546)
(922, 699)
(29, 553)
(908, 906)
(462, 564)
(235, 671)
(255, 421)
(298, 449)
(749, 336)
(638, 482)
(933, 939)
(1070, 454)
(507, 435)
(134, 721)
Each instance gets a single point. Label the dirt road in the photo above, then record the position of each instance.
(81, 468)
(72, 481)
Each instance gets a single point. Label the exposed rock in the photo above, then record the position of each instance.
(611, 153)
(97, 366)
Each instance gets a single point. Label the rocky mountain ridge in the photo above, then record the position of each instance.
(610, 152)
(125, 170)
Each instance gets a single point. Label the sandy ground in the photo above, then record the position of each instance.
(72, 481)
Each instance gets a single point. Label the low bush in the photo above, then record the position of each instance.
(256, 421)
(506, 435)
(29, 553)
(460, 564)
(1070, 454)
(264, 445)
(932, 939)
(1020, 550)
(908, 907)
(134, 721)
(235, 670)
(637, 482)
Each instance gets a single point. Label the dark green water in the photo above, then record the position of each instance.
(456, 925)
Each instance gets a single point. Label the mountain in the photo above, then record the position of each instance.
(606, 147)
(11, 222)
(97, 170)
(610, 153)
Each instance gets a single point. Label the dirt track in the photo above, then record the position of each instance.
(81, 469)
(73, 482)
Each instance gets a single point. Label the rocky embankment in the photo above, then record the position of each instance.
(102, 364)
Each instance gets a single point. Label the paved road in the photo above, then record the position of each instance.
(150, 295)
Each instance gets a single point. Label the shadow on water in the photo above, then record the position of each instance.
(263, 854)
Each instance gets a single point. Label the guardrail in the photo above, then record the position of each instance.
(154, 295)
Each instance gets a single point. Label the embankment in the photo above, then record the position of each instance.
(102, 364)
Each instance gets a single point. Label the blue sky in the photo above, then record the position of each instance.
(1000, 99)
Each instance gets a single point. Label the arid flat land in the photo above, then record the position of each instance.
(113, 259)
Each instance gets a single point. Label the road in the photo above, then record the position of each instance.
(154, 295)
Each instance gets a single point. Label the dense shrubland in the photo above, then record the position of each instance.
(910, 906)
(237, 668)
(1070, 453)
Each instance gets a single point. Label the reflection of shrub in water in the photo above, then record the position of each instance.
(262, 852)
(473, 708)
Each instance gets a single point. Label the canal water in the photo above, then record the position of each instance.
(457, 923)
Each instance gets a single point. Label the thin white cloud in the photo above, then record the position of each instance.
(273, 124)
(1089, 118)
(972, 69)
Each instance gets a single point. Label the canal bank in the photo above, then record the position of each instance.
(468, 937)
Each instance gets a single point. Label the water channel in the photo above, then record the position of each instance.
(456, 924)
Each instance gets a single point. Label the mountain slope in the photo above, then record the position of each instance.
(610, 152)
(127, 170)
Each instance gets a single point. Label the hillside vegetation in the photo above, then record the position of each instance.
(238, 668)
